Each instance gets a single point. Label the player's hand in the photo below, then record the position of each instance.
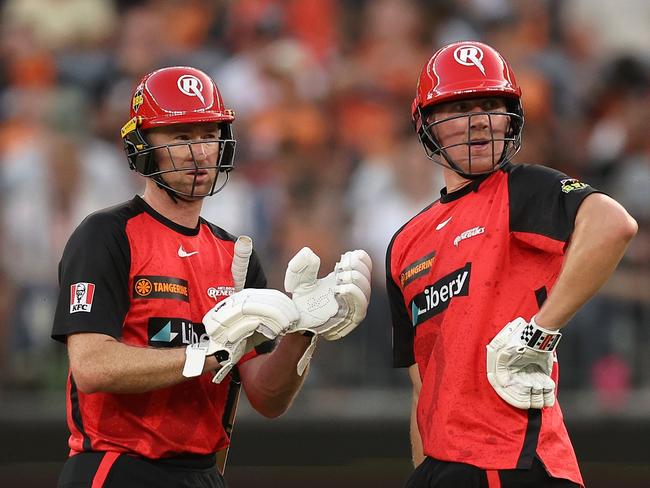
(333, 306)
(232, 321)
(519, 364)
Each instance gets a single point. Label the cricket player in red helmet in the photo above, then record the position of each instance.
(165, 314)
(482, 280)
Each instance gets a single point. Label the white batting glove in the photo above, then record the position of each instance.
(519, 364)
(333, 306)
(232, 321)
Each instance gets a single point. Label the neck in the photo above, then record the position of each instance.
(181, 212)
(454, 181)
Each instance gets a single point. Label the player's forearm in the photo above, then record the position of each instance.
(271, 380)
(602, 231)
(102, 364)
(417, 452)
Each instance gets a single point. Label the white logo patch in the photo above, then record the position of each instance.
(182, 253)
(220, 291)
(468, 233)
(81, 297)
(469, 55)
(442, 224)
(191, 86)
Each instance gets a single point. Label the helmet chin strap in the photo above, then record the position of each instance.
(472, 176)
(175, 197)
(160, 184)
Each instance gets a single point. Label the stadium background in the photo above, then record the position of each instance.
(326, 157)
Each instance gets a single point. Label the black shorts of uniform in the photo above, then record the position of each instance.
(115, 470)
(441, 474)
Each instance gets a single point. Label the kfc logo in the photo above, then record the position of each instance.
(468, 55)
(191, 86)
(81, 297)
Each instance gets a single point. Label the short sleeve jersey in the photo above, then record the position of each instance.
(134, 275)
(456, 274)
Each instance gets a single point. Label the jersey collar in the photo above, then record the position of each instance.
(186, 231)
(473, 185)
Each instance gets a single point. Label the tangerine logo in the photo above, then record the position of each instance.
(143, 287)
(417, 269)
(469, 55)
(191, 86)
(167, 287)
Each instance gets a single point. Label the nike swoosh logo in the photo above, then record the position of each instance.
(184, 254)
(442, 224)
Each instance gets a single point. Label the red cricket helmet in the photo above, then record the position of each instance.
(176, 95)
(465, 70)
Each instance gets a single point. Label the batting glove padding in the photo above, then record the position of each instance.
(519, 364)
(232, 321)
(333, 306)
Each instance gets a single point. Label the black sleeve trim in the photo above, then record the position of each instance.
(97, 253)
(255, 277)
(540, 296)
(544, 201)
(403, 331)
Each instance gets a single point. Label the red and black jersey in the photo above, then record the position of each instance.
(133, 274)
(456, 274)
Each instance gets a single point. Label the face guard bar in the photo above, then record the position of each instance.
(436, 152)
(142, 160)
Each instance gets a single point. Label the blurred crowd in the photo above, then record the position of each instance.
(326, 154)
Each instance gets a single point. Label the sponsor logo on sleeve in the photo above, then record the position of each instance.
(435, 298)
(417, 269)
(81, 297)
(174, 332)
(571, 184)
(160, 287)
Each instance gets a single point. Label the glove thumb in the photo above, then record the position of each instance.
(302, 270)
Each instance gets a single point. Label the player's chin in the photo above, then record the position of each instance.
(478, 165)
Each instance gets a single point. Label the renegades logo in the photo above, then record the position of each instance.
(435, 298)
(81, 297)
(160, 287)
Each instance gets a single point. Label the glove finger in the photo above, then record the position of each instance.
(524, 384)
(359, 255)
(501, 369)
(336, 334)
(536, 380)
(302, 270)
(356, 278)
(503, 337)
(225, 310)
(355, 299)
(549, 392)
(356, 260)
(271, 303)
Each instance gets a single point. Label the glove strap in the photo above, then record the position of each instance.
(306, 357)
(539, 338)
(194, 359)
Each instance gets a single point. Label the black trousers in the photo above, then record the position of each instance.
(113, 470)
(442, 474)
